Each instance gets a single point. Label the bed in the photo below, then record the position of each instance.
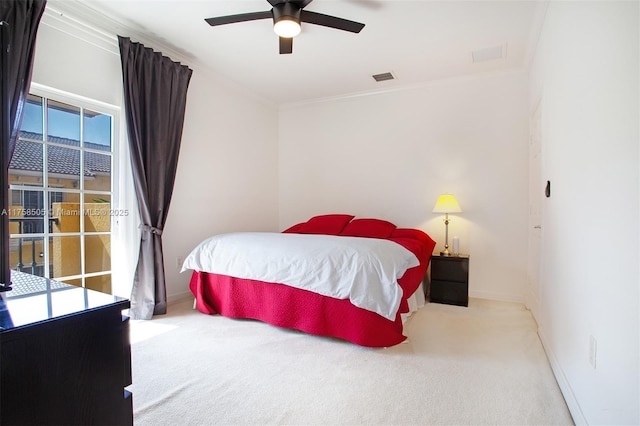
(333, 275)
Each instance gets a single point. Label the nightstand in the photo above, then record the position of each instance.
(449, 281)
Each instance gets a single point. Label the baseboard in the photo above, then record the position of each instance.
(178, 297)
(501, 297)
(563, 383)
(532, 302)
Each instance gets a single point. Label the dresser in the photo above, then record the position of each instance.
(65, 355)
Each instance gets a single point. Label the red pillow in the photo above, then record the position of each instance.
(296, 229)
(372, 228)
(415, 234)
(330, 224)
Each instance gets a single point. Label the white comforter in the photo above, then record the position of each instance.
(363, 270)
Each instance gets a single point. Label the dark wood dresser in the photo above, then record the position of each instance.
(65, 355)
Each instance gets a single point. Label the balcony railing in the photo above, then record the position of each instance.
(30, 248)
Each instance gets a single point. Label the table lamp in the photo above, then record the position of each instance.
(446, 204)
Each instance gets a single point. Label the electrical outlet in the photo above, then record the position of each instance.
(593, 351)
(179, 261)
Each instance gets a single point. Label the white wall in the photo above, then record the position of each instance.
(72, 61)
(227, 172)
(586, 73)
(390, 155)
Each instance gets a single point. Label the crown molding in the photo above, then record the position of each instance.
(58, 19)
(101, 29)
(406, 87)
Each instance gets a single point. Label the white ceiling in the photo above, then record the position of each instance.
(419, 41)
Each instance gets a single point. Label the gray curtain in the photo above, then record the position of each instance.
(20, 20)
(155, 96)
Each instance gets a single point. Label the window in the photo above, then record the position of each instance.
(62, 182)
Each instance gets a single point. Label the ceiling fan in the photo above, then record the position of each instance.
(287, 16)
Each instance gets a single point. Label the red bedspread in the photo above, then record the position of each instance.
(289, 307)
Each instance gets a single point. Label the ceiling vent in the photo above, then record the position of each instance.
(489, 53)
(383, 77)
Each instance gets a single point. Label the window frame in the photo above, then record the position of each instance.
(83, 103)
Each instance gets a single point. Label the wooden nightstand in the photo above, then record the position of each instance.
(449, 282)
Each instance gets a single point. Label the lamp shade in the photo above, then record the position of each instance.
(447, 203)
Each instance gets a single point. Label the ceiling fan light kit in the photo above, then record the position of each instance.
(286, 20)
(287, 16)
(287, 28)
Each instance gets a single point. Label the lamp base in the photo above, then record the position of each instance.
(446, 252)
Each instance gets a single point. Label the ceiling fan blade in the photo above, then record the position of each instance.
(231, 19)
(330, 21)
(286, 45)
(304, 3)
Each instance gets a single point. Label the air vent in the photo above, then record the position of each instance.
(383, 77)
(489, 53)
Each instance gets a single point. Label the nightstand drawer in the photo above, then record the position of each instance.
(450, 292)
(453, 269)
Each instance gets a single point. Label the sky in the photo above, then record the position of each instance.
(66, 124)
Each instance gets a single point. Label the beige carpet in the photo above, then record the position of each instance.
(478, 366)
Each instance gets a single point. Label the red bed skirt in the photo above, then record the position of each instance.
(289, 307)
